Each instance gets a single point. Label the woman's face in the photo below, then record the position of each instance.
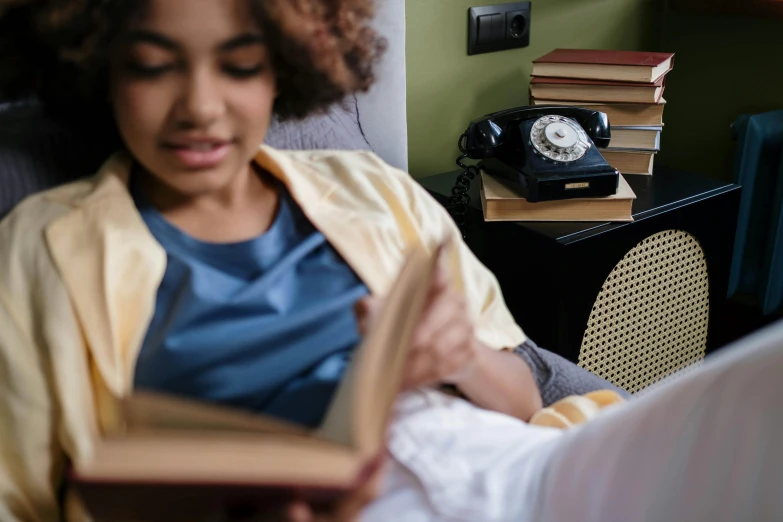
(192, 90)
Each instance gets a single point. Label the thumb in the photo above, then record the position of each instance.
(299, 512)
(366, 309)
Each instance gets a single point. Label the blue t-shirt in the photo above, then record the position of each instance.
(265, 324)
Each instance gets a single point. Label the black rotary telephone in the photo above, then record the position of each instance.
(543, 152)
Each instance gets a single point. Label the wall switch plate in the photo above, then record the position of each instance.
(498, 27)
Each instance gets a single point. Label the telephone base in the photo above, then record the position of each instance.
(553, 186)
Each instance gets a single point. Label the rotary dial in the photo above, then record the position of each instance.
(559, 138)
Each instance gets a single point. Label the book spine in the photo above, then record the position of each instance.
(157, 502)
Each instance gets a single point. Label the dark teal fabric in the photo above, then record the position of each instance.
(757, 265)
(265, 325)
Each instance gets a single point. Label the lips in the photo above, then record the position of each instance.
(199, 154)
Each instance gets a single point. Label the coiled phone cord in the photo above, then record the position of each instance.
(459, 200)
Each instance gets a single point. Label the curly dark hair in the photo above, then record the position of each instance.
(321, 50)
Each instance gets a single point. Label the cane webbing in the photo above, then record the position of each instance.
(651, 316)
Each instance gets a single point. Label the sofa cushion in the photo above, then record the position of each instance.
(36, 153)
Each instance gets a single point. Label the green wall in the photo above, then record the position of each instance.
(447, 88)
(724, 66)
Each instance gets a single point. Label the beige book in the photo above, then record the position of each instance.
(621, 114)
(646, 139)
(595, 90)
(630, 162)
(501, 203)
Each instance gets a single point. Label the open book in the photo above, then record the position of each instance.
(174, 454)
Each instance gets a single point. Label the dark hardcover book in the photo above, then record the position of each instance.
(597, 64)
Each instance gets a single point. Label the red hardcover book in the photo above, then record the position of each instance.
(596, 90)
(170, 456)
(594, 64)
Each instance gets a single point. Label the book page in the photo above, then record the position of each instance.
(362, 406)
(188, 457)
(147, 411)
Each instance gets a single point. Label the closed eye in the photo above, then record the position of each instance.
(243, 72)
(148, 71)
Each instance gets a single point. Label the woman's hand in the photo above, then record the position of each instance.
(346, 509)
(444, 349)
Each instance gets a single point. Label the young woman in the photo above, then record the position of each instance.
(197, 263)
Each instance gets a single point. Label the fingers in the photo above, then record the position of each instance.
(445, 350)
(457, 350)
(443, 341)
(443, 306)
(422, 369)
(296, 511)
(445, 324)
(350, 508)
(299, 512)
(365, 310)
(447, 359)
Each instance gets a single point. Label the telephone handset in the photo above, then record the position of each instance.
(543, 152)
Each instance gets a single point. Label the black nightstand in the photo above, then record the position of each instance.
(552, 274)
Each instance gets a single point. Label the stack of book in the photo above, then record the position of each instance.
(626, 85)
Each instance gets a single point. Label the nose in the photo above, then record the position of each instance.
(202, 102)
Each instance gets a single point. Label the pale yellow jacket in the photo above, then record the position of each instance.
(79, 272)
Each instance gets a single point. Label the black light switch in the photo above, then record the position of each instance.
(498, 27)
(487, 28)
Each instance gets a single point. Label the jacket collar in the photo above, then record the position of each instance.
(307, 185)
(314, 191)
(112, 266)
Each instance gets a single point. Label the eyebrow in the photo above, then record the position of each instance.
(243, 40)
(142, 36)
(158, 39)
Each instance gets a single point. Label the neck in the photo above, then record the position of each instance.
(241, 187)
(242, 209)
